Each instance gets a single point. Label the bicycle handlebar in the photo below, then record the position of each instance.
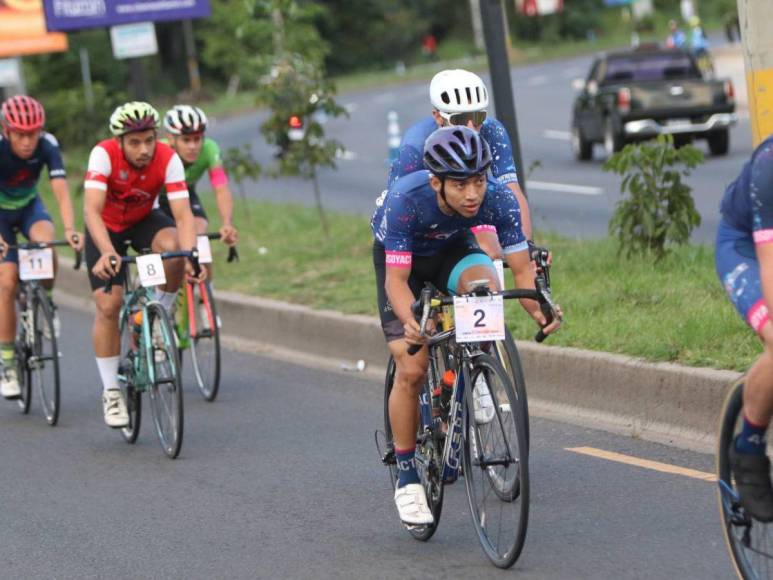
(192, 255)
(233, 255)
(42, 245)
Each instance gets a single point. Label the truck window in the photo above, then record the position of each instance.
(652, 67)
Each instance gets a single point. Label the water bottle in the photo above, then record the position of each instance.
(446, 390)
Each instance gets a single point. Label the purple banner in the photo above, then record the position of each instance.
(77, 14)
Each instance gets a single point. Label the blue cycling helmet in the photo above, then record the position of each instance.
(457, 152)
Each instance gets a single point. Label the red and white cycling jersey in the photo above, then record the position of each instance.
(131, 192)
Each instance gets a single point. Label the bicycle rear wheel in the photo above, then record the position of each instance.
(496, 473)
(749, 541)
(205, 343)
(166, 396)
(43, 363)
(22, 373)
(428, 461)
(131, 395)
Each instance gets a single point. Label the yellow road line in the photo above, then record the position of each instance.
(645, 463)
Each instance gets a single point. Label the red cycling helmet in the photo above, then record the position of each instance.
(22, 113)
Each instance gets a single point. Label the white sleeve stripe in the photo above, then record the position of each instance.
(516, 248)
(178, 195)
(91, 184)
(175, 172)
(99, 161)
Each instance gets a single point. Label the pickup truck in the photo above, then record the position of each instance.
(638, 94)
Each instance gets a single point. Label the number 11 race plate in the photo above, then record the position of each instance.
(479, 318)
(36, 264)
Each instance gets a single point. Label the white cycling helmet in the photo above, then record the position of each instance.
(184, 120)
(457, 91)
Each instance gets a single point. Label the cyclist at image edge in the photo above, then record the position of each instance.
(459, 97)
(422, 233)
(185, 127)
(744, 262)
(24, 150)
(124, 177)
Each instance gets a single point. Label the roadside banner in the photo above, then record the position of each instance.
(23, 29)
(539, 7)
(134, 40)
(10, 72)
(79, 14)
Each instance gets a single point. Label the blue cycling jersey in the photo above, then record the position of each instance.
(19, 177)
(408, 219)
(409, 156)
(748, 201)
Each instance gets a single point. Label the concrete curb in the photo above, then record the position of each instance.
(663, 402)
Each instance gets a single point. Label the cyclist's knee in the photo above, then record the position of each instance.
(412, 375)
(166, 241)
(108, 305)
(8, 280)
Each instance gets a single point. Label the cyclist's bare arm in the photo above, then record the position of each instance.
(62, 194)
(186, 225)
(225, 207)
(93, 204)
(524, 278)
(525, 213)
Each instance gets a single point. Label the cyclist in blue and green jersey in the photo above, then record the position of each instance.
(24, 150)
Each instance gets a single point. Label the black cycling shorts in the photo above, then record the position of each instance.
(193, 198)
(436, 269)
(141, 237)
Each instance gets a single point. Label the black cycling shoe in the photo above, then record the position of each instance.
(752, 478)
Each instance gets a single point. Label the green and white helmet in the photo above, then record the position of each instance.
(132, 117)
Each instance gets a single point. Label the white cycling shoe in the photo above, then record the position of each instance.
(411, 502)
(9, 384)
(114, 408)
(482, 402)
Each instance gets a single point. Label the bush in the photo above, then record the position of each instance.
(69, 120)
(659, 209)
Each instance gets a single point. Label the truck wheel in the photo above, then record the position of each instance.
(582, 148)
(719, 142)
(613, 139)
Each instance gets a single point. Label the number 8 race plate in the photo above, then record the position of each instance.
(479, 318)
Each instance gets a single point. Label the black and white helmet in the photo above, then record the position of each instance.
(185, 120)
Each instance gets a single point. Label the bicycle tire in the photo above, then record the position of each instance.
(45, 355)
(167, 411)
(431, 479)
(25, 398)
(132, 395)
(512, 363)
(507, 455)
(207, 338)
(738, 528)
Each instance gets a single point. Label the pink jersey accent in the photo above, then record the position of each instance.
(399, 259)
(218, 177)
(131, 192)
(758, 315)
(484, 228)
(762, 237)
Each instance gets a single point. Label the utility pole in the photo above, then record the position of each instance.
(190, 54)
(494, 21)
(477, 24)
(754, 20)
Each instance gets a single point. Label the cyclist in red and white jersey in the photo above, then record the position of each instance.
(124, 177)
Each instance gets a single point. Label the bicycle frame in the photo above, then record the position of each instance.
(143, 366)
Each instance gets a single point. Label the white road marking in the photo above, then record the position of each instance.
(573, 72)
(559, 135)
(565, 188)
(536, 81)
(346, 155)
(351, 107)
(385, 98)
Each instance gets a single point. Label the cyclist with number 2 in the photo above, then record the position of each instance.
(124, 177)
(24, 150)
(422, 234)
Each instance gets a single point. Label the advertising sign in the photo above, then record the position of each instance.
(78, 14)
(133, 40)
(23, 29)
(539, 7)
(10, 72)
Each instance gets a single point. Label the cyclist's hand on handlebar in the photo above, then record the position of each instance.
(190, 272)
(229, 235)
(413, 333)
(75, 239)
(104, 269)
(540, 319)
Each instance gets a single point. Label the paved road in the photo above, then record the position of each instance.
(280, 479)
(579, 205)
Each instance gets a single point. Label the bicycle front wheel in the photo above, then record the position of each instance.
(22, 372)
(132, 395)
(428, 461)
(749, 541)
(43, 363)
(205, 341)
(507, 354)
(166, 394)
(496, 473)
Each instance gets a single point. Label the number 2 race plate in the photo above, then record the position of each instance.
(36, 264)
(479, 318)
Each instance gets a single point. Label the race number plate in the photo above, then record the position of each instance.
(36, 264)
(205, 250)
(500, 268)
(479, 318)
(151, 270)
